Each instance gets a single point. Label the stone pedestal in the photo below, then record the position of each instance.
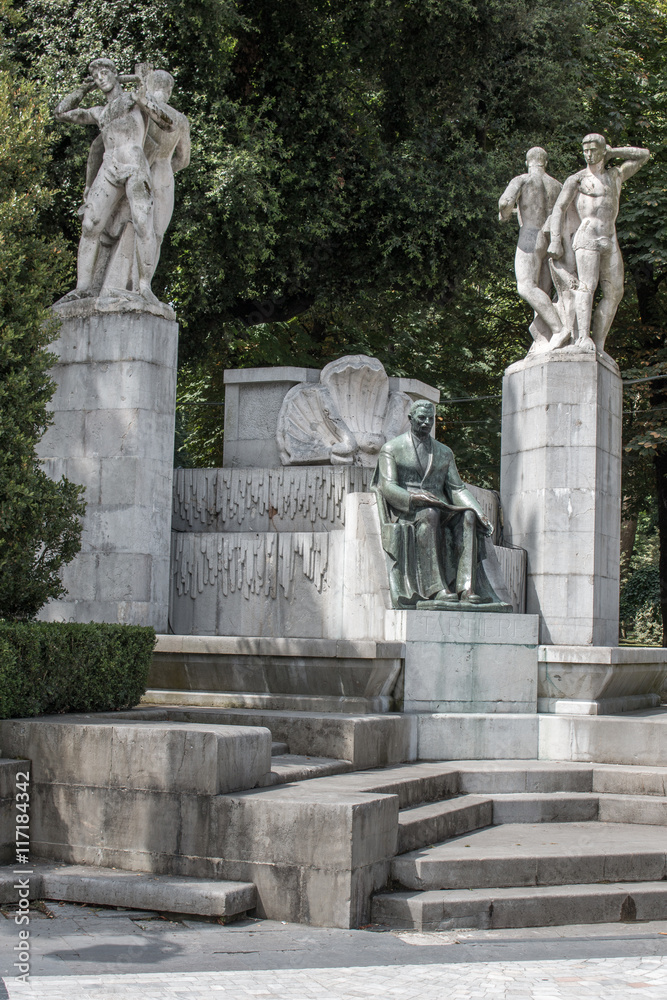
(561, 491)
(467, 662)
(113, 432)
(599, 680)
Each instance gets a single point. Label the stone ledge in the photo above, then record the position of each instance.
(259, 646)
(234, 376)
(602, 654)
(135, 890)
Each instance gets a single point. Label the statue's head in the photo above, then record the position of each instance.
(537, 155)
(594, 147)
(104, 73)
(161, 84)
(422, 416)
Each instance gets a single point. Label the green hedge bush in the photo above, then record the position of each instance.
(51, 667)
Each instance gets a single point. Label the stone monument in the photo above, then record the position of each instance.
(561, 437)
(281, 593)
(114, 403)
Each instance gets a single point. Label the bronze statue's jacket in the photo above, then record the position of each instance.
(400, 473)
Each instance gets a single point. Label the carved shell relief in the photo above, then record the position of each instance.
(344, 419)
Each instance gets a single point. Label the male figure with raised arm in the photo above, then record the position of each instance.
(595, 192)
(123, 123)
(533, 195)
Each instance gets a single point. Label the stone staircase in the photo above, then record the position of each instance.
(531, 843)
(330, 820)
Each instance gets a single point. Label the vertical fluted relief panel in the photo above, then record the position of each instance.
(288, 499)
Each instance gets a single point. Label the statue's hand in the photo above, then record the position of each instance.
(488, 527)
(422, 499)
(555, 248)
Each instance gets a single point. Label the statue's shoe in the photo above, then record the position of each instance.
(445, 595)
(471, 598)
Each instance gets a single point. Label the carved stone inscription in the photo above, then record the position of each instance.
(450, 626)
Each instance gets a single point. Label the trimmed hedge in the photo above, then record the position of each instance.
(51, 667)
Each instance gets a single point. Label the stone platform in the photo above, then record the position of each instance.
(600, 680)
(461, 662)
(316, 675)
(189, 795)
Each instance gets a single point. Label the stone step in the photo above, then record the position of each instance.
(538, 807)
(646, 809)
(369, 741)
(296, 767)
(574, 807)
(414, 784)
(436, 821)
(541, 906)
(540, 854)
(507, 776)
(133, 890)
(267, 702)
(621, 779)
(278, 749)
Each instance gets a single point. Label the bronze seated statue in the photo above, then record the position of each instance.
(433, 530)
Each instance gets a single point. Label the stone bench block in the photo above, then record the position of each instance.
(165, 757)
(597, 680)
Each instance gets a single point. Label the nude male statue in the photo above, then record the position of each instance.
(124, 170)
(595, 193)
(534, 194)
(169, 152)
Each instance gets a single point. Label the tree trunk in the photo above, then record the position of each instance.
(661, 485)
(628, 532)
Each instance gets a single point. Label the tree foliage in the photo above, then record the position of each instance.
(39, 525)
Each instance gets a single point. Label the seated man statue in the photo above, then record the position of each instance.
(433, 529)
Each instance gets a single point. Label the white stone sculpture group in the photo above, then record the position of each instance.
(567, 237)
(129, 195)
(567, 241)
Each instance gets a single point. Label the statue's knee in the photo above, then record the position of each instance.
(469, 519)
(429, 519)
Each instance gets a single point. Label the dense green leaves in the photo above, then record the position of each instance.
(39, 526)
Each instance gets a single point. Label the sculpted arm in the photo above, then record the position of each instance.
(508, 198)
(634, 158)
(181, 157)
(156, 111)
(563, 202)
(462, 497)
(395, 495)
(68, 109)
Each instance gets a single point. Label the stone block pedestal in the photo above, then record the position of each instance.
(561, 491)
(113, 432)
(467, 662)
(599, 680)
